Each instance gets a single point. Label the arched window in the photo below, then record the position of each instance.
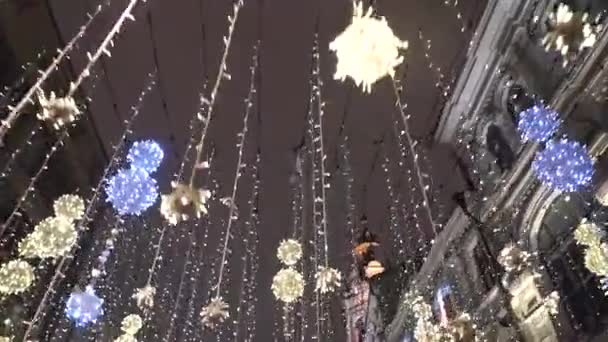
(581, 296)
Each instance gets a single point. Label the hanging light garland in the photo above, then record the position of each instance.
(564, 165)
(103, 49)
(328, 278)
(538, 123)
(64, 262)
(15, 111)
(213, 312)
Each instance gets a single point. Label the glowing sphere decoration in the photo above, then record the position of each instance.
(146, 155)
(538, 123)
(132, 191)
(564, 165)
(84, 307)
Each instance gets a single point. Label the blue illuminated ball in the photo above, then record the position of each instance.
(146, 155)
(538, 123)
(564, 165)
(84, 307)
(131, 191)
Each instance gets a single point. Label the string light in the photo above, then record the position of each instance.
(16, 276)
(64, 262)
(232, 215)
(85, 73)
(84, 307)
(367, 49)
(146, 155)
(132, 191)
(564, 165)
(538, 123)
(15, 111)
(210, 102)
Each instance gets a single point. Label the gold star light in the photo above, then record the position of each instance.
(367, 50)
(58, 111)
(184, 203)
(215, 313)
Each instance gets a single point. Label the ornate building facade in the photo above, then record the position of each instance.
(509, 213)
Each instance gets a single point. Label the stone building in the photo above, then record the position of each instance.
(510, 211)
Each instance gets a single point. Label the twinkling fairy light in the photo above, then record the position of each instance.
(208, 103)
(538, 123)
(64, 263)
(103, 48)
(564, 165)
(232, 213)
(454, 5)
(422, 188)
(245, 318)
(395, 225)
(15, 111)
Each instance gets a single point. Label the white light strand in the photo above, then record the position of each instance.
(102, 49)
(15, 111)
(249, 259)
(210, 102)
(394, 206)
(414, 154)
(182, 281)
(64, 262)
(454, 5)
(239, 166)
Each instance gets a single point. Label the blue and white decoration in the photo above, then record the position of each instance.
(84, 307)
(564, 165)
(538, 124)
(146, 155)
(132, 191)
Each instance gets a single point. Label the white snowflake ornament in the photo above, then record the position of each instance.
(58, 111)
(214, 313)
(367, 50)
(328, 279)
(183, 203)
